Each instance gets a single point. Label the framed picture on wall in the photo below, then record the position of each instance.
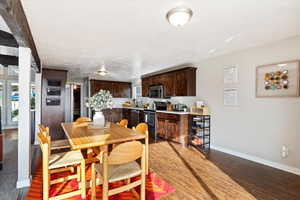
(230, 74)
(278, 80)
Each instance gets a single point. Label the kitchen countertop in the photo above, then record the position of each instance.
(173, 112)
(161, 111)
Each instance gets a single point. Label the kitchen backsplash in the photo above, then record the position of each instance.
(117, 102)
(189, 101)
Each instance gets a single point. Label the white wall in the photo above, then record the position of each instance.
(257, 126)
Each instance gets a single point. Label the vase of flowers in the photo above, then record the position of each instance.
(98, 102)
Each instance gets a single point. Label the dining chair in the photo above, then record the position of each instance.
(123, 122)
(55, 163)
(143, 128)
(119, 165)
(55, 144)
(83, 119)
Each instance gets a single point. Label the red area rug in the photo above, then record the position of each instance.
(156, 188)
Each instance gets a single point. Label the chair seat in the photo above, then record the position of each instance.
(65, 159)
(120, 172)
(60, 144)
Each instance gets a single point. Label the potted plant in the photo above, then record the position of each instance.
(98, 102)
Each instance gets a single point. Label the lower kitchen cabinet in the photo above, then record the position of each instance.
(133, 116)
(173, 127)
(113, 115)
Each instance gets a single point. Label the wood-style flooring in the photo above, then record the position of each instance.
(219, 176)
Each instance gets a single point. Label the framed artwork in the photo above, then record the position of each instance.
(230, 96)
(278, 80)
(230, 74)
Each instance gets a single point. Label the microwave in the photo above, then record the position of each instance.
(156, 91)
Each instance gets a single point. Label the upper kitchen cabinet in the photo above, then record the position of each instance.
(180, 82)
(167, 80)
(122, 90)
(185, 82)
(117, 89)
(146, 83)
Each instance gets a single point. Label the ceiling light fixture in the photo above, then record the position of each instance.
(179, 16)
(102, 71)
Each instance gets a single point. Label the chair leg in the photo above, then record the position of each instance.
(105, 177)
(147, 154)
(46, 184)
(83, 181)
(78, 173)
(93, 182)
(143, 187)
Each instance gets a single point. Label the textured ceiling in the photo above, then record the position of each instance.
(133, 37)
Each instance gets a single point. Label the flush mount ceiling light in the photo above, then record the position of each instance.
(102, 71)
(179, 16)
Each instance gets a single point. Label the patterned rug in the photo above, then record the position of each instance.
(156, 188)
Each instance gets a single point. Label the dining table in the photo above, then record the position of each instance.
(86, 136)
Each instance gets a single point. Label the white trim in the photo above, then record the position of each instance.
(283, 167)
(24, 183)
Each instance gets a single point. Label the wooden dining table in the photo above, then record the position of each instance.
(87, 136)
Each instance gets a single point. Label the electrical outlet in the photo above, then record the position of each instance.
(284, 151)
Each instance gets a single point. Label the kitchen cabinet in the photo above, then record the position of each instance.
(122, 90)
(185, 82)
(145, 87)
(181, 82)
(133, 116)
(117, 89)
(167, 80)
(113, 115)
(173, 127)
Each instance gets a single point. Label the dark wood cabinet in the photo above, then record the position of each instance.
(53, 104)
(180, 82)
(117, 89)
(113, 115)
(185, 81)
(122, 90)
(167, 80)
(133, 116)
(145, 87)
(172, 127)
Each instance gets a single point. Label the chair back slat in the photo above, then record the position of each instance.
(123, 123)
(125, 153)
(45, 142)
(142, 128)
(83, 119)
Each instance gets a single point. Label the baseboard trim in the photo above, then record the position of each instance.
(24, 183)
(283, 167)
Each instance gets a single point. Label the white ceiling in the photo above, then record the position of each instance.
(133, 37)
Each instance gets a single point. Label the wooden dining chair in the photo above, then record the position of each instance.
(55, 144)
(55, 163)
(83, 119)
(119, 165)
(143, 128)
(123, 123)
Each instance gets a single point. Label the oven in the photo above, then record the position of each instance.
(156, 91)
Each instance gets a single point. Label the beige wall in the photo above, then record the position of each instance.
(257, 126)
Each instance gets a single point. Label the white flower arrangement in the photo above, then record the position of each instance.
(101, 100)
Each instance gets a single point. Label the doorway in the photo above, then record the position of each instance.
(76, 101)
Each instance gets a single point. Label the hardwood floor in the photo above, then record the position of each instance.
(220, 176)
